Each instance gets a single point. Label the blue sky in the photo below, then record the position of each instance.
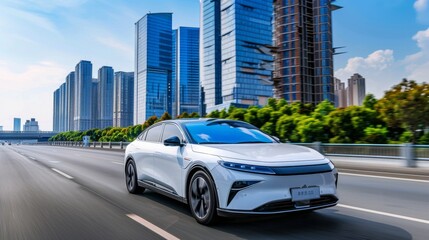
(42, 40)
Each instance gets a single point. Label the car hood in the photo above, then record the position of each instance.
(262, 153)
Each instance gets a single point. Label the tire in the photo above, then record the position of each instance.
(131, 178)
(202, 198)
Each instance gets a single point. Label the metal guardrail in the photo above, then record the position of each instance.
(108, 145)
(408, 152)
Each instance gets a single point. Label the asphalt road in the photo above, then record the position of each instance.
(69, 193)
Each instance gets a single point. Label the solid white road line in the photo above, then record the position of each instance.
(152, 227)
(384, 214)
(383, 177)
(54, 161)
(63, 174)
(119, 163)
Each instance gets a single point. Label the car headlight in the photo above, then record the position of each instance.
(246, 167)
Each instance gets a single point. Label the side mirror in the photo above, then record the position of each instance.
(173, 141)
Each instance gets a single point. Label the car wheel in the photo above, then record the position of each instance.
(202, 198)
(131, 178)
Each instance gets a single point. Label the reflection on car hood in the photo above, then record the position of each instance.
(262, 152)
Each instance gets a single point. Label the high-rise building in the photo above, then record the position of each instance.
(123, 99)
(63, 114)
(356, 90)
(31, 125)
(236, 43)
(105, 97)
(95, 108)
(83, 100)
(152, 81)
(56, 118)
(70, 88)
(303, 69)
(17, 124)
(186, 70)
(340, 93)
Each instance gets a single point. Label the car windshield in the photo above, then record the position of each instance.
(226, 132)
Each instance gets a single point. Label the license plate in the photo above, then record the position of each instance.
(306, 193)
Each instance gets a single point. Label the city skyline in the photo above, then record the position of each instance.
(379, 46)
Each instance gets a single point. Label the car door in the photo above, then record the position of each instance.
(168, 161)
(146, 149)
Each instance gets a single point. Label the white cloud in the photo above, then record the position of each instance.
(417, 64)
(28, 93)
(376, 61)
(422, 9)
(379, 69)
(420, 5)
(116, 44)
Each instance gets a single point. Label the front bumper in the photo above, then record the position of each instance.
(272, 193)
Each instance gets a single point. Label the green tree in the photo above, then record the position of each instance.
(375, 135)
(406, 105)
(370, 101)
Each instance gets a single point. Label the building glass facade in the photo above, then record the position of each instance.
(70, 88)
(153, 68)
(244, 52)
(62, 114)
(16, 124)
(105, 97)
(186, 70)
(123, 99)
(210, 62)
(56, 118)
(83, 100)
(304, 54)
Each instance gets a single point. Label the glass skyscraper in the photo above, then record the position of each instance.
(17, 124)
(70, 86)
(95, 108)
(105, 97)
(83, 100)
(56, 118)
(153, 54)
(304, 54)
(186, 70)
(123, 99)
(63, 116)
(237, 53)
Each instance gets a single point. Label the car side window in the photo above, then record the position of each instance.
(154, 134)
(142, 136)
(171, 130)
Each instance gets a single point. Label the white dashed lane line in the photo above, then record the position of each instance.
(119, 163)
(152, 227)
(385, 214)
(62, 173)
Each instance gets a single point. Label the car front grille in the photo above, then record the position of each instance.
(288, 205)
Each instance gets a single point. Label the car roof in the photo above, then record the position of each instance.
(185, 120)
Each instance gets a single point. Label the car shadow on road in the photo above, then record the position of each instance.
(321, 224)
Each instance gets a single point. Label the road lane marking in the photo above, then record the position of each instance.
(152, 227)
(63, 174)
(383, 177)
(54, 161)
(385, 214)
(32, 158)
(119, 163)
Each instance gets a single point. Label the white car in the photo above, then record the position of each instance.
(226, 167)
